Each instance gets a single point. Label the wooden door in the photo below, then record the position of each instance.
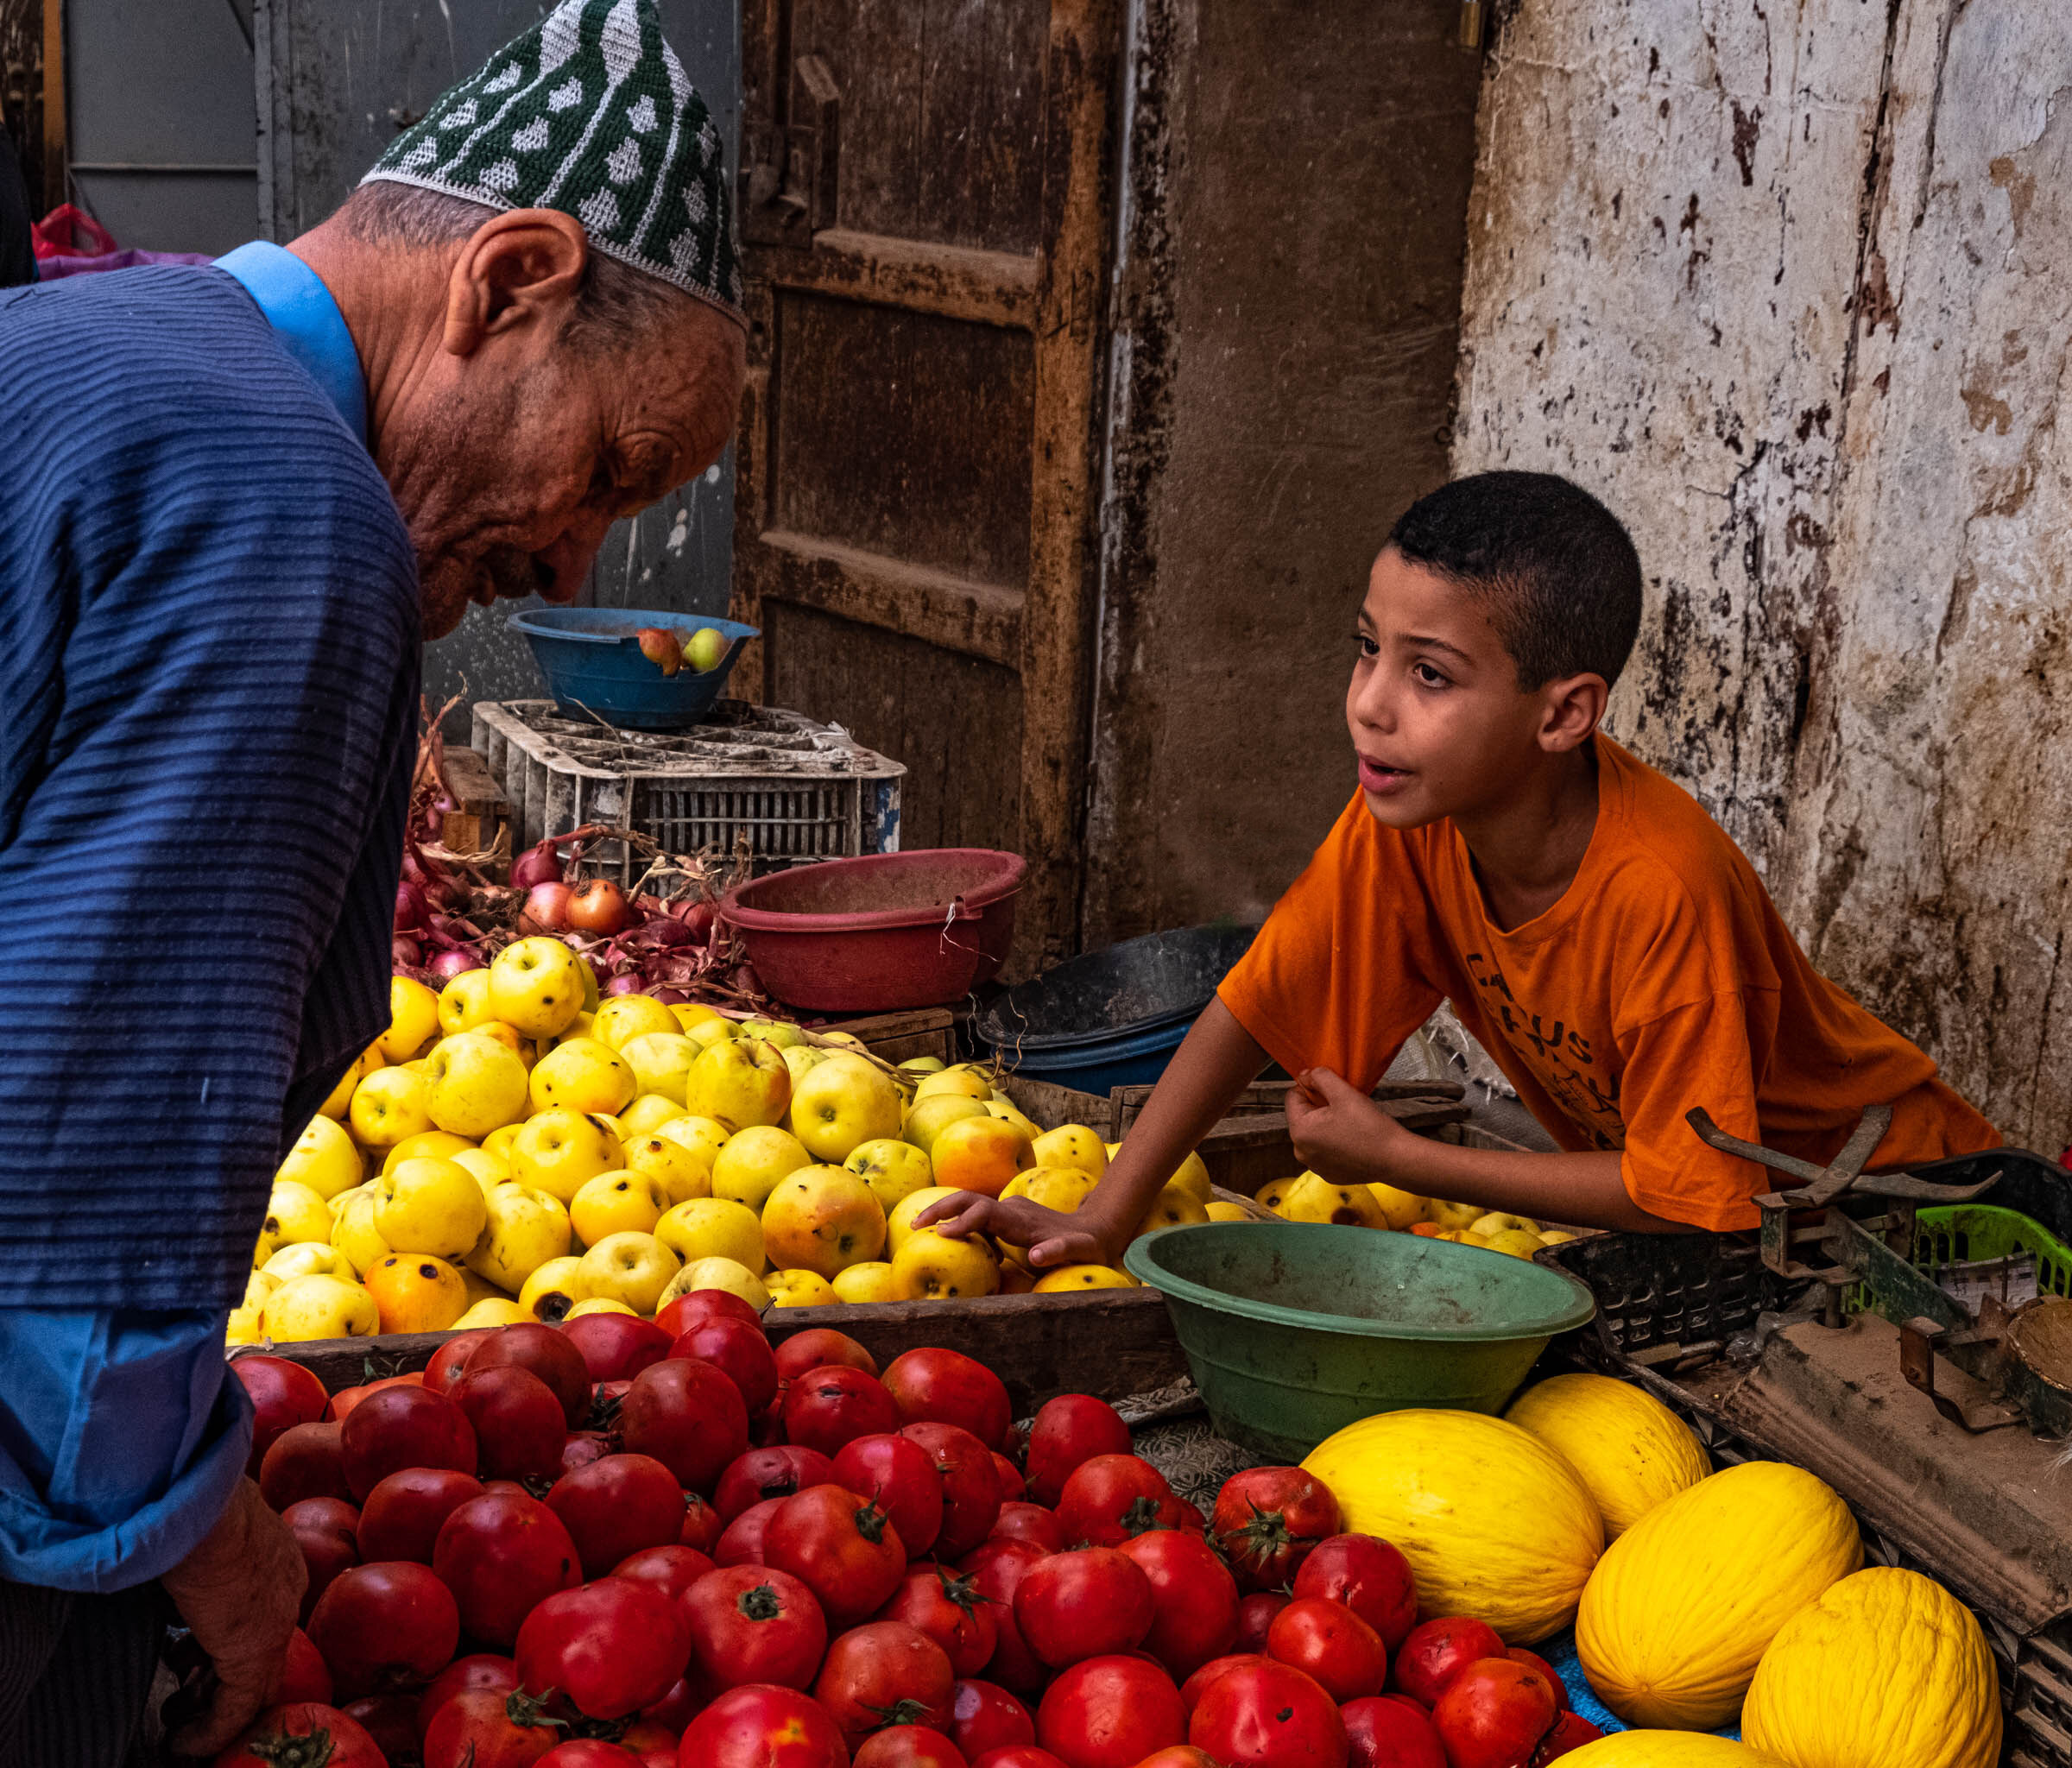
(926, 213)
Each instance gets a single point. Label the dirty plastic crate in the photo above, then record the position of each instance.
(791, 789)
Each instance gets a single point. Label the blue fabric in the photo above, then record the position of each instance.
(208, 654)
(1560, 1652)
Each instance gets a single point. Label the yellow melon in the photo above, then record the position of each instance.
(1493, 1522)
(1685, 1603)
(1666, 1749)
(1630, 1449)
(1887, 1667)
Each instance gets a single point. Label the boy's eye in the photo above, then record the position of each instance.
(1367, 646)
(1427, 676)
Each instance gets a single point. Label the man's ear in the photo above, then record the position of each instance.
(521, 268)
(1574, 705)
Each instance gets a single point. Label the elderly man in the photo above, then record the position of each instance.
(232, 499)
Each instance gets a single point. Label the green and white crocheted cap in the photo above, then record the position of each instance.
(589, 112)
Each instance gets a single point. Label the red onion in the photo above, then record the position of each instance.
(600, 907)
(630, 983)
(746, 980)
(666, 931)
(405, 951)
(545, 909)
(668, 997)
(698, 917)
(455, 961)
(409, 906)
(536, 865)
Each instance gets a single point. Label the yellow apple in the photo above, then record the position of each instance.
(713, 1228)
(294, 1213)
(919, 1065)
(536, 987)
(1398, 1208)
(340, 1100)
(628, 1016)
(324, 1158)
(474, 1084)
(708, 1032)
(553, 1289)
(930, 1117)
(705, 1135)
(742, 1081)
(800, 1289)
(1071, 1145)
(463, 1003)
(491, 1310)
(1498, 1222)
(387, 1105)
(413, 1019)
(718, 1274)
(799, 1057)
(1555, 1236)
(847, 1040)
(660, 1062)
(1220, 1211)
(580, 1027)
(426, 1145)
(1450, 1215)
(1068, 1278)
(305, 1258)
(1005, 1112)
(259, 1286)
(894, 1170)
(691, 1013)
(871, 1282)
(1312, 1198)
(617, 1203)
(557, 1151)
(318, 1307)
(772, 1030)
(1171, 1208)
(629, 1267)
(683, 1173)
(1515, 1241)
(981, 1154)
(354, 1232)
(583, 1076)
(749, 1167)
(899, 1223)
(523, 1228)
(416, 1293)
(963, 1080)
(648, 1113)
(840, 1105)
(823, 1219)
(430, 1206)
(479, 1288)
(931, 1267)
(244, 1326)
(1193, 1179)
(498, 1142)
(598, 1304)
(489, 1170)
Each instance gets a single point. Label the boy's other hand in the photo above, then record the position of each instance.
(1340, 1132)
(1052, 1238)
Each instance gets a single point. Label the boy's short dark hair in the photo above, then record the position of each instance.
(1559, 565)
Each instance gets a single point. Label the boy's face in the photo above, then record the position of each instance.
(1439, 722)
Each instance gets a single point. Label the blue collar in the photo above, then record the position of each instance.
(309, 323)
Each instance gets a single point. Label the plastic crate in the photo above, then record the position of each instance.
(787, 788)
(1975, 1241)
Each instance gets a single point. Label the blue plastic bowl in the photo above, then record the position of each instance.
(1129, 1058)
(593, 665)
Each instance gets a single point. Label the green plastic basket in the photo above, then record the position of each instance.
(1294, 1330)
(1977, 1233)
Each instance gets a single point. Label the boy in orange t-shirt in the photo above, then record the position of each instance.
(1596, 930)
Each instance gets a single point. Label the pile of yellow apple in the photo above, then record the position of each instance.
(1309, 1196)
(515, 1148)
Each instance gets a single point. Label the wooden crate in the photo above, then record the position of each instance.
(900, 1037)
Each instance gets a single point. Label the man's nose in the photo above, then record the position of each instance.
(570, 559)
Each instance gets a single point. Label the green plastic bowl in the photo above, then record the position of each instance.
(1296, 1329)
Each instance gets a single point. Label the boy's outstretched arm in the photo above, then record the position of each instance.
(1218, 1060)
(1342, 1134)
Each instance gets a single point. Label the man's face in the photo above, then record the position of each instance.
(510, 464)
(1438, 721)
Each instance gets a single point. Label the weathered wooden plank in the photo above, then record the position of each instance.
(938, 606)
(957, 282)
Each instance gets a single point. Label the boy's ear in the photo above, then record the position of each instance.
(1573, 707)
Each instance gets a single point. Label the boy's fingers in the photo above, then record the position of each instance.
(950, 1215)
(1328, 1088)
(1065, 1249)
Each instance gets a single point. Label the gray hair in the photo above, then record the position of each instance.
(615, 308)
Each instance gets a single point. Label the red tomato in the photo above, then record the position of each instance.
(1088, 1604)
(346, 1399)
(985, 1716)
(702, 1524)
(740, 1541)
(549, 1355)
(971, 1488)
(1110, 1712)
(753, 1623)
(884, 1673)
(1256, 1619)
(1493, 1713)
(1012, 1486)
(270, 1739)
(588, 1753)
(1327, 1641)
(684, 1700)
(776, 1472)
(1433, 1654)
(478, 1671)
(389, 1719)
(615, 1347)
(739, 1351)
(902, 1477)
(948, 1608)
(817, 1347)
(327, 1531)
(1519, 1655)
(580, 1447)
(1179, 1756)
(995, 1567)
(403, 1514)
(1371, 1578)
(452, 1358)
(612, 1647)
(671, 1569)
(1197, 1598)
(687, 1310)
(907, 1746)
(933, 1385)
(304, 1675)
(303, 1463)
(282, 1394)
(403, 1427)
(688, 1416)
(1190, 1690)
(1069, 1430)
(476, 1728)
(1570, 1731)
(384, 1627)
(841, 1547)
(1383, 1732)
(1018, 1756)
(1268, 1520)
(645, 1734)
(1110, 1498)
(501, 1554)
(616, 1506)
(833, 1405)
(1269, 1715)
(1030, 1522)
(763, 1728)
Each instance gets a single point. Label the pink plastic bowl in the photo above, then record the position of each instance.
(882, 932)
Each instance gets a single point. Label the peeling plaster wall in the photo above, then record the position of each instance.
(1793, 290)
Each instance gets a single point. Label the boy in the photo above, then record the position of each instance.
(1594, 929)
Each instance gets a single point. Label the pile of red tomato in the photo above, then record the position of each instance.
(620, 1542)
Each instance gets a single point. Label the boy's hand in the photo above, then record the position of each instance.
(1341, 1133)
(1052, 1238)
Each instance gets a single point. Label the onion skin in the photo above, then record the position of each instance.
(405, 952)
(630, 983)
(668, 997)
(536, 865)
(600, 907)
(455, 962)
(545, 909)
(409, 907)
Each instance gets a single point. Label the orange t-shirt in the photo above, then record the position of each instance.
(1664, 978)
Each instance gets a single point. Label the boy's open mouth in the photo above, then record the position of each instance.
(1378, 776)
